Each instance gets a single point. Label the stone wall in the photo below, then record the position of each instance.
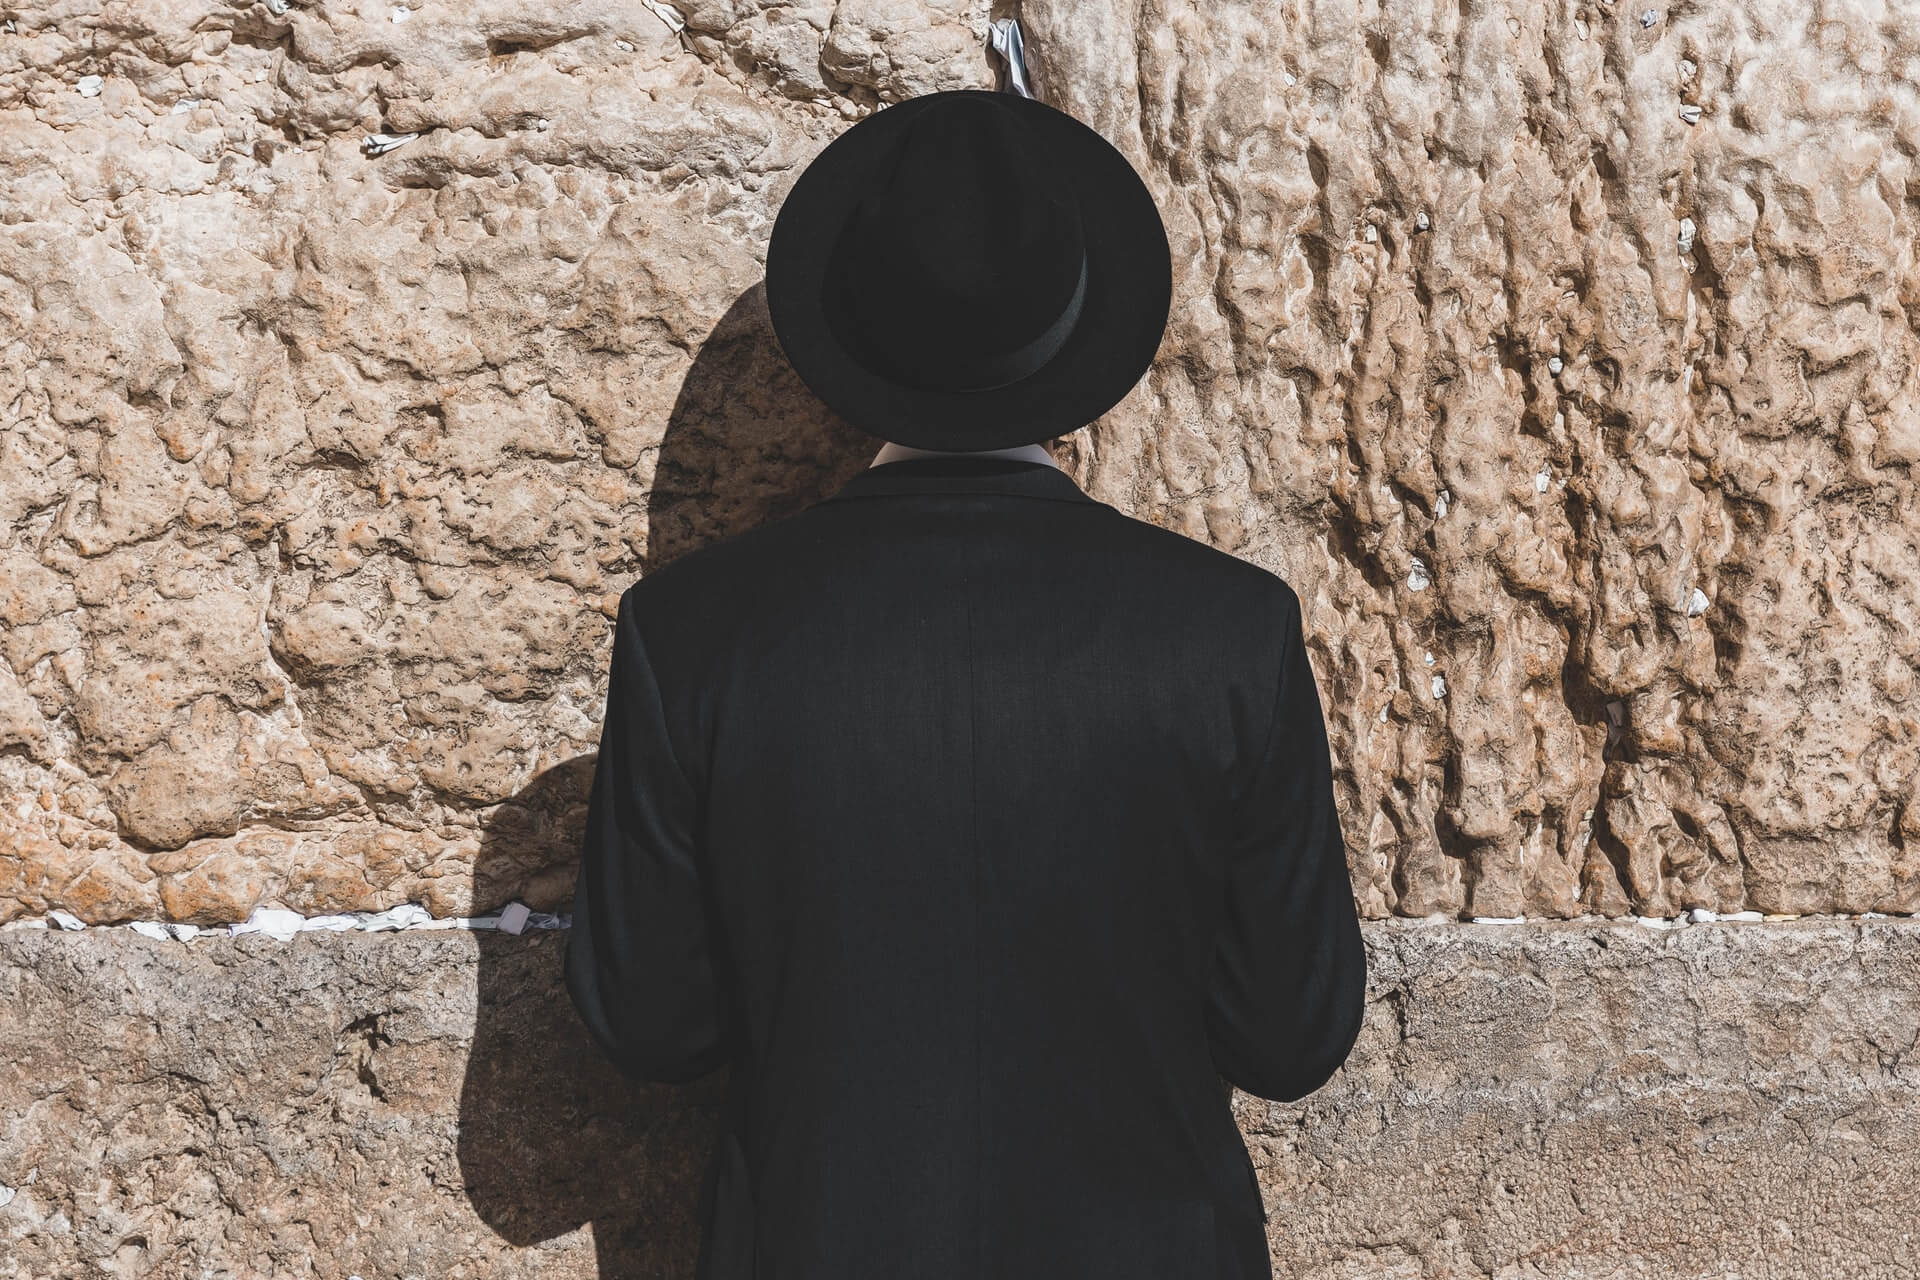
(1560, 355)
(357, 357)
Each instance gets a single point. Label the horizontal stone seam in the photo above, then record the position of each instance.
(282, 924)
(518, 918)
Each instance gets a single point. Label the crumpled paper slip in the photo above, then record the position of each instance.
(329, 924)
(1003, 37)
(667, 14)
(275, 922)
(26, 922)
(404, 916)
(378, 144)
(533, 920)
(513, 917)
(66, 921)
(164, 930)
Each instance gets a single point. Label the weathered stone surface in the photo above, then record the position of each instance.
(1561, 358)
(1570, 1100)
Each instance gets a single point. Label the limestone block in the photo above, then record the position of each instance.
(1576, 1099)
(1559, 357)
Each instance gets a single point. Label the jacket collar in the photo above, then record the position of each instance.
(963, 475)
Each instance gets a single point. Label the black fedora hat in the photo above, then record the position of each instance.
(969, 269)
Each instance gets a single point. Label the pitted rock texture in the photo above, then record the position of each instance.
(1559, 356)
(1572, 1100)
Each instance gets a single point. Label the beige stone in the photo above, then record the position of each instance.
(1562, 361)
(1577, 1100)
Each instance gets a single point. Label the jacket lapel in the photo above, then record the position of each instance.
(963, 475)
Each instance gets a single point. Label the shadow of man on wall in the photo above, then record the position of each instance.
(552, 1136)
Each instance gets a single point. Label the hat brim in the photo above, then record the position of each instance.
(1129, 292)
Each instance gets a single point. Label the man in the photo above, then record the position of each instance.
(978, 827)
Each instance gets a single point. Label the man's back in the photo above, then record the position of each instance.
(980, 827)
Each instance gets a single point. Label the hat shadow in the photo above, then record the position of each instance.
(551, 1135)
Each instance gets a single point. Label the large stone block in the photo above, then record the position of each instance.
(1559, 355)
(1574, 1101)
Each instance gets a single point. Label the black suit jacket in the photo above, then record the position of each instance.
(981, 828)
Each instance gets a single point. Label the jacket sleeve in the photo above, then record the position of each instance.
(640, 963)
(1289, 982)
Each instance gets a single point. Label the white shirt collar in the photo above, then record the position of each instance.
(893, 452)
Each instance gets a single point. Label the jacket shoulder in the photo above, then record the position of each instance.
(1152, 558)
(694, 571)
(1206, 564)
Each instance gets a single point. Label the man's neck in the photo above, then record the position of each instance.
(893, 452)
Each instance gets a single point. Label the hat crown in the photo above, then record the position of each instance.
(902, 278)
(963, 265)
